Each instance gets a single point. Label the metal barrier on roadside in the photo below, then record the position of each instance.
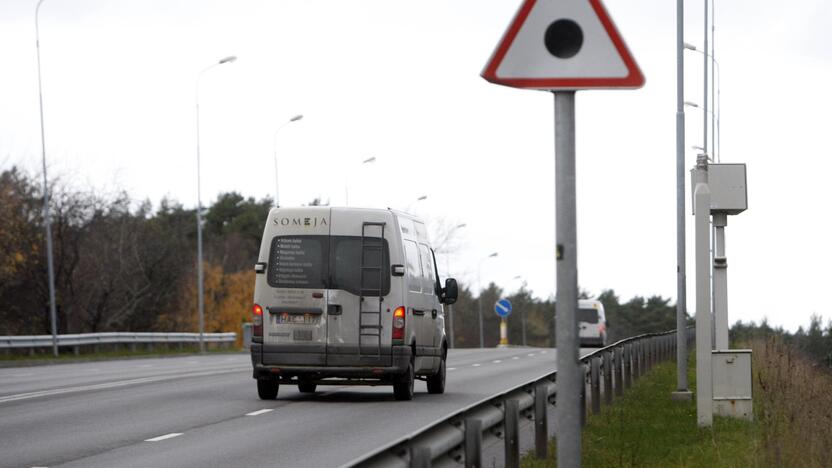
(459, 438)
(112, 338)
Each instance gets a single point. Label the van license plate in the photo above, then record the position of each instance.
(302, 335)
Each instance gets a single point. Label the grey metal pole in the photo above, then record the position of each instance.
(702, 204)
(720, 282)
(50, 268)
(523, 320)
(450, 307)
(713, 83)
(705, 80)
(681, 286)
(567, 411)
(200, 274)
(479, 314)
(200, 279)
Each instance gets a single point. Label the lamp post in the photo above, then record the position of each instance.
(276, 193)
(200, 275)
(53, 316)
(346, 181)
(522, 311)
(450, 306)
(479, 299)
(422, 198)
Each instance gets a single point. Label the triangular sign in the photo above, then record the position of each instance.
(563, 45)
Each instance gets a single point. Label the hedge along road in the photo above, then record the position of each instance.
(204, 411)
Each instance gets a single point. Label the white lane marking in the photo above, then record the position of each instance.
(164, 437)
(544, 352)
(515, 358)
(531, 354)
(451, 368)
(477, 365)
(496, 361)
(259, 412)
(118, 383)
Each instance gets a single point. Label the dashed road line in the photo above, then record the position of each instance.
(496, 361)
(164, 437)
(451, 368)
(515, 358)
(259, 412)
(476, 365)
(530, 354)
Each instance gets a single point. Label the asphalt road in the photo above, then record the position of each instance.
(203, 411)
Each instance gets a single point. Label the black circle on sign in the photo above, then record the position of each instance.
(563, 38)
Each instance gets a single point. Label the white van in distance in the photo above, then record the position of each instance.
(348, 296)
(592, 323)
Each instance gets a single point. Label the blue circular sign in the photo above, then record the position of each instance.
(503, 308)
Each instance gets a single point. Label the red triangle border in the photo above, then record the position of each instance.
(634, 78)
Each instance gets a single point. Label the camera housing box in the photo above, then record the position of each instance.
(727, 183)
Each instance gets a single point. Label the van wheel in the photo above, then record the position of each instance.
(436, 382)
(307, 387)
(403, 388)
(267, 389)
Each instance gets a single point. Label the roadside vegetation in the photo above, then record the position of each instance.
(792, 420)
(128, 265)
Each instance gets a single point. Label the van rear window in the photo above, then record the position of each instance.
(330, 262)
(588, 315)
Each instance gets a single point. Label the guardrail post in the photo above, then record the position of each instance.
(595, 384)
(619, 371)
(627, 367)
(511, 424)
(541, 426)
(473, 443)
(420, 457)
(77, 350)
(583, 379)
(608, 377)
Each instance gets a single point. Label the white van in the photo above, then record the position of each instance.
(348, 296)
(592, 323)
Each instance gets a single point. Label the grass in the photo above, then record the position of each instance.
(645, 428)
(793, 403)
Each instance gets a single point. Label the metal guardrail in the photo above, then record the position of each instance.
(459, 438)
(81, 339)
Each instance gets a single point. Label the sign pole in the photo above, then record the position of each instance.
(567, 411)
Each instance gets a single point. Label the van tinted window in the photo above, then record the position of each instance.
(588, 315)
(346, 265)
(299, 262)
(414, 270)
(428, 271)
(330, 262)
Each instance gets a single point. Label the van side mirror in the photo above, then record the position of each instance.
(397, 270)
(450, 292)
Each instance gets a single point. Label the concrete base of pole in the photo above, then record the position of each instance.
(682, 395)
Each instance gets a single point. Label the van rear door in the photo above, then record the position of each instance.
(295, 303)
(358, 332)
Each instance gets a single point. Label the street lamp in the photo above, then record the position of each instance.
(293, 119)
(346, 181)
(450, 306)
(53, 316)
(479, 283)
(200, 276)
(718, 133)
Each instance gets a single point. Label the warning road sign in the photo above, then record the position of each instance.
(563, 45)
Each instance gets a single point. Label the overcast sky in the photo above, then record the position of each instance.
(399, 81)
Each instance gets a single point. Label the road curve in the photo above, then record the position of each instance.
(203, 411)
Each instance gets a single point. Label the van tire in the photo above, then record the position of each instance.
(267, 389)
(436, 382)
(403, 388)
(307, 387)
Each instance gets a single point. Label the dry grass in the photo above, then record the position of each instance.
(793, 406)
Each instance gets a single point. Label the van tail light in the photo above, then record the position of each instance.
(398, 323)
(257, 319)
